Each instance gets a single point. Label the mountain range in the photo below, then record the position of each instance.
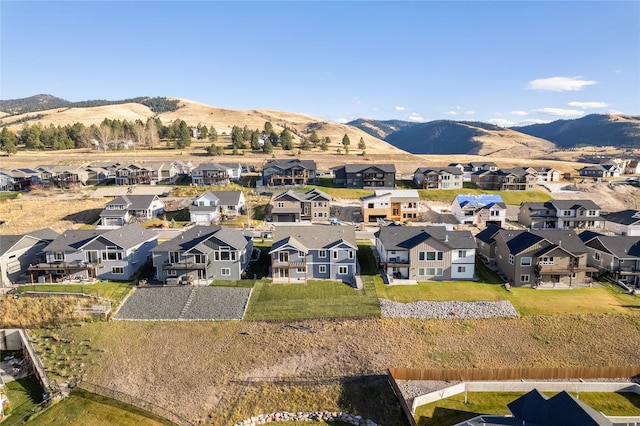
(380, 136)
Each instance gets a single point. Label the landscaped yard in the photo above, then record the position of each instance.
(84, 408)
(509, 197)
(23, 395)
(453, 410)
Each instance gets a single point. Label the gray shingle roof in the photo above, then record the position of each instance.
(357, 168)
(285, 163)
(316, 236)
(449, 169)
(574, 204)
(125, 237)
(487, 234)
(135, 202)
(565, 238)
(227, 198)
(197, 235)
(624, 217)
(407, 237)
(623, 247)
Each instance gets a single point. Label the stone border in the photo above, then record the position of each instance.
(306, 416)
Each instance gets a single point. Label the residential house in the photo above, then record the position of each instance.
(96, 175)
(516, 179)
(303, 252)
(291, 206)
(211, 174)
(486, 244)
(151, 173)
(600, 171)
(394, 205)
(202, 254)
(488, 166)
(633, 167)
(95, 254)
(617, 255)
(449, 177)
(17, 252)
(625, 222)
(6, 180)
(466, 170)
(183, 168)
(479, 210)
(128, 208)
(214, 206)
(560, 214)
(425, 253)
(19, 179)
(365, 176)
(62, 176)
(550, 256)
(544, 174)
(289, 172)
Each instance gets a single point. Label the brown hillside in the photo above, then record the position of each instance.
(507, 143)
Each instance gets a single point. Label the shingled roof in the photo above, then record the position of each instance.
(407, 237)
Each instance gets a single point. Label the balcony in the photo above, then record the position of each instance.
(567, 269)
(395, 261)
(185, 266)
(76, 265)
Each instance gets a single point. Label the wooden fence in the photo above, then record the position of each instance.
(520, 373)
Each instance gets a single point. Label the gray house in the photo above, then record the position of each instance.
(560, 214)
(304, 252)
(618, 255)
(292, 206)
(129, 208)
(202, 254)
(289, 172)
(17, 252)
(95, 254)
(365, 176)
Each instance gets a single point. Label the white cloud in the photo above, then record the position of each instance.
(400, 108)
(533, 121)
(452, 112)
(469, 112)
(585, 105)
(415, 117)
(560, 84)
(560, 112)
(502, 122)
(341, 120)
(614, 111)
(520, 113)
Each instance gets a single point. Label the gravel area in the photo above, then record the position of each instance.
(218, 303)
(185, 303)
(452, 309)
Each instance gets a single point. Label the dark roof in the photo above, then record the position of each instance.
(135, 202)
(8, 241)
(357, 168)
(197, 235)
(45, 234)
(407, 237)
(487, 234)
(623, 247)
(519, 241)
(449, 169)
(316, 236)
(574, 204)
(125, 237)
(561, 409)
(227, 198)
(587, 235)
(565, 238)
(285, 163)
(303, 196)
(624, 217)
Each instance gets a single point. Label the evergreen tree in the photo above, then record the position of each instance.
(345, 141)
(203, 132)
(267, 147)
(314, 139)
(237, 139)
(255, 140)
(213, 134)
(324, 144)
(361, 144)
(268, 128)
(184, 135)
(8, 141)
(286, 139)
(273, 138)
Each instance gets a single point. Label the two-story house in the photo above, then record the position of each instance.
(600, 171)
(214, 206)
(216, 174)
(395, 205)
(365, 176)
(95, 254)
(561, 214)
(516, 179)
(479, 210)
(303, 252)
(291, 206)
(544, 174)
(425, 253)
(62, 176)
(625, 222)
(150, 173)
(289, 172)
(17, 252)
(128, 208)
(202, 254)
(449, 177)
(551, 256)
(617, 255)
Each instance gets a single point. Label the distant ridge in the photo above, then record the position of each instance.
(32, 103)
(594, 129)
(380, 128)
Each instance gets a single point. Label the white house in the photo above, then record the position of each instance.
(480, 210)
(214, 206)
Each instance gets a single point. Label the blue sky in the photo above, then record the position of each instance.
(505, 62)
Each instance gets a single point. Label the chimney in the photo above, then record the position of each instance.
(446, 238)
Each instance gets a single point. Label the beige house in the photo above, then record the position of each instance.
(395, 205)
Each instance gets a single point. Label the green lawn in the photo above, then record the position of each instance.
(315, 299)
(509, 197)
(465, 291)
(23, 395)
(84, 408)
(8, 195)
(453, 410)
(115, 291)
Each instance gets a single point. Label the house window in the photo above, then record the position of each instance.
(434, 271)
(431, 255)
(420, 271)
(225, 272)
(596, 255)
(462, 253)
(524, 278)
(280, 204)
(512, 259)
(322, 269)
(525, 261)
(421, 255)
(335, 254)
(350, 254)
(111, 255)
(301, 270)
(566, 213)
(300, 254)
(592, 213)
(546, 260)
(117, 270)
(343, 270)
(322, 253)
(58, 256)
(462, 269)
(283, 256)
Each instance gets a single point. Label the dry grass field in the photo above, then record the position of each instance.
(222, 372)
